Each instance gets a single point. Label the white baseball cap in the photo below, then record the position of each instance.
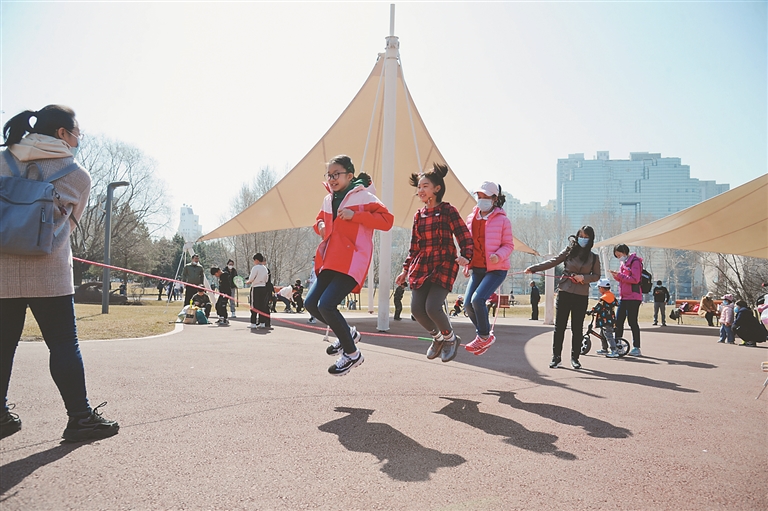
(604, 283)
(488, 188)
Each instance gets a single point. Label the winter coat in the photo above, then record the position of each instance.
(498, 238)
(193, 274)
(603, 310)
(748, 327)
(348, 244)
(589, 269)
(535, 295)
(726, 314)
(46, 275)
(432, 253)
(629, 277)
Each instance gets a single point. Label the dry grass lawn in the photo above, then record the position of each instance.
(123, 321)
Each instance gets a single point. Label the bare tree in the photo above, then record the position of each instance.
(140, 207)
(288, 252)
(738, 275)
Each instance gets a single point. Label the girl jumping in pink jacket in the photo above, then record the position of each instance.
(492, 237)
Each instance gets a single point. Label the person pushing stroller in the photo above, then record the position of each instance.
(605, 318)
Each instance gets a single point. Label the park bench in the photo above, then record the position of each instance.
(692, 304)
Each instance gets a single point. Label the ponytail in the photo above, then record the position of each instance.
(48, 121)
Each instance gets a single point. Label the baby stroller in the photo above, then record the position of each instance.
(622, 346)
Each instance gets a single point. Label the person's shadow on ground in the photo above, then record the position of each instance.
(637, 380)
(404, 459)
(15, 472)
(463, 410)
(594, 427)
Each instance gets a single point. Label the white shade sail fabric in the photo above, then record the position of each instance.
(295, 200)
(734, 222)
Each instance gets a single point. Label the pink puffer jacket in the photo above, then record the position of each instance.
(629, 277)
(498, 238)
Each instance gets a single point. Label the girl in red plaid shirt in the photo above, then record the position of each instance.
(432, 263)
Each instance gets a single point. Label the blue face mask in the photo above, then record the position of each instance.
(583, 242)
(74, 150)
(623, 258)
(484, 205)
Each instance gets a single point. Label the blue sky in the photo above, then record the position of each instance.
(215, 90)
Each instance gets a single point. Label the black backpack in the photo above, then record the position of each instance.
(646, 281)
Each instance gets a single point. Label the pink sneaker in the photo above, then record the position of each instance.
(483, 344)
(472, 346)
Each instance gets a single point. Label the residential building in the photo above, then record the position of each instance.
(189, 224)
(643, 188)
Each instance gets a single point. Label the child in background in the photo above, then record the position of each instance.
(201, 301)
(225, 288)
(606, 318)
(725, 311)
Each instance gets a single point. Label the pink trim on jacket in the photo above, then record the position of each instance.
(348, 244)
(630, 273)
(498, 237)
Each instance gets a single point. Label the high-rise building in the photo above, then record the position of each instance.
(643, 188)
(516, 210)
(189, 224)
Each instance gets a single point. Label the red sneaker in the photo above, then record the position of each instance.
(472, 346)
(483, 344)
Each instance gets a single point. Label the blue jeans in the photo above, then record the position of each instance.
(56, 318)
(480, 287)
(323, 299)
(726, 334)
(628, 310)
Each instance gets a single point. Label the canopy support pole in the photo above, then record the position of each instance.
(388, 168)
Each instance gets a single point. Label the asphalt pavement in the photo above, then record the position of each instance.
(229, 418)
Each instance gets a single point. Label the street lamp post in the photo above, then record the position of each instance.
(107, 234)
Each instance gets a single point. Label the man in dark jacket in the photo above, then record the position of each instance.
(535, 298)
(660, 300)
(192, 274)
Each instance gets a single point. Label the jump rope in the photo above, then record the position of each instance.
(288, 321)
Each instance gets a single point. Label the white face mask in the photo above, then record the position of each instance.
(195, 263)
(230, 266)
(484, 205)
(623, 258)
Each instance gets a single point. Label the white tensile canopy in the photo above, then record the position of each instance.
(734, 222)
(357, 133)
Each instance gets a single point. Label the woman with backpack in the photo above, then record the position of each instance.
(630, 294)
(44, 283)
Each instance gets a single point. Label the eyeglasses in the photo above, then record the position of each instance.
(78, 136)
(334, 176)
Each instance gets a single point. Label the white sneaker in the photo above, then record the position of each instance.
(253, 325)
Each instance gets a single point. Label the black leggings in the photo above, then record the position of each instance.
(628, 309)
(575, 306)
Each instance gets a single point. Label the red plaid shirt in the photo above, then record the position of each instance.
(432, 256)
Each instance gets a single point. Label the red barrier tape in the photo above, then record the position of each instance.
(287, 321)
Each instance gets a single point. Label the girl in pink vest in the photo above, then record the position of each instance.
(493, 245)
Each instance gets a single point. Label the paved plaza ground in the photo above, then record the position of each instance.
(228, 418)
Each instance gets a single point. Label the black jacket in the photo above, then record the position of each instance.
(535, 295)
(748, 327)
(225, 282)
(660, 294)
